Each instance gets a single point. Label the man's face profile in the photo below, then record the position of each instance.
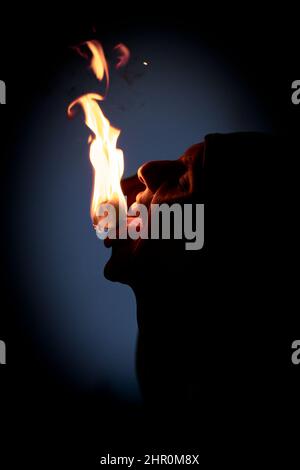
(156, 182)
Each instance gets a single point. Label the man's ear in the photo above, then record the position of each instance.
(131, 187)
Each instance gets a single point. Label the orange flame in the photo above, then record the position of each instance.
(98, 62)
(106, 158)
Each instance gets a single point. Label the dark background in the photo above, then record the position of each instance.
(51, 404)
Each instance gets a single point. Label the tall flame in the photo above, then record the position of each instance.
(106, 158)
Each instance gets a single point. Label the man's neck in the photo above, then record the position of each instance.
(159, 300)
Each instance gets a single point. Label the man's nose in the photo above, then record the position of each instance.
(154, 174)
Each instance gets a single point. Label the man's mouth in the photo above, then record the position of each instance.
(144, 197)
(109, 242)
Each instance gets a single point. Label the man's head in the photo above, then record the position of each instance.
(157, 182)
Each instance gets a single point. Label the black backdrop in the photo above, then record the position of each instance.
(44, 421)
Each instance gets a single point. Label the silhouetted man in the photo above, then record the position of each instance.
(205, 317)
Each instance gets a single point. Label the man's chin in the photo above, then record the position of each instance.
(115, 273)
(120, 266)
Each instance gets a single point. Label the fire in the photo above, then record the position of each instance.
(98, 62)
(106, 158)
(124, 55)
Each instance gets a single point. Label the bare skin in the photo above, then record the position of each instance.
(156, 182)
